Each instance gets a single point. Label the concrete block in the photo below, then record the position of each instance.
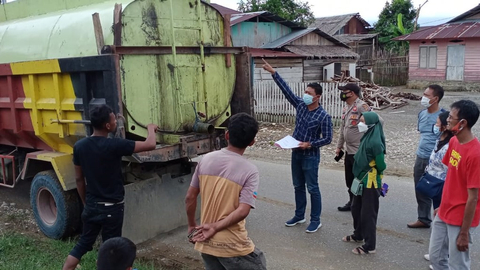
(155, 206)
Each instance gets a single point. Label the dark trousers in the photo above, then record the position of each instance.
(96, 218)
(349, 160)
(254, 261)
(424, 203)
(365, 213)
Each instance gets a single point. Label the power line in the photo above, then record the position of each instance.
(438, 20)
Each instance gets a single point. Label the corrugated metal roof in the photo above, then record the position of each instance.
(354, 37)
(465, 15)
(241, 17)
(332, 24)
(224, 10)
(273, 54)
(263, 16)
(323, 52)
(446, 31)
(298, 34)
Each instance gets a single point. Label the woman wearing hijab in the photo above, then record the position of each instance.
(368, 167)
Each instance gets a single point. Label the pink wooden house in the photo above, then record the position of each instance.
(447, 54)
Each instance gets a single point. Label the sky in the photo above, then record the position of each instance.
(432, 13)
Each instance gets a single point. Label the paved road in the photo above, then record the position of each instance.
(291, 248)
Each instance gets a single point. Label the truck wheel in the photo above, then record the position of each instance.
(57, 212)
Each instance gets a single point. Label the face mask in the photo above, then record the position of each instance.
(308, 99)
(362, 127)
(436, 130)
(456, 129)
(343, 96)
(425, 102)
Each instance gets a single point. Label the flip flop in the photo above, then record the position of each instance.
(349, 238)
(362, 251)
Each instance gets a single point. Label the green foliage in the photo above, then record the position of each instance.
(24, 252)
(397, 18)
(293, 10)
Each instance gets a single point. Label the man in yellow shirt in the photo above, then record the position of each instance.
(228, 184)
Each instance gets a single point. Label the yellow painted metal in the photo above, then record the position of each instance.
(63, 166)
(49, 95)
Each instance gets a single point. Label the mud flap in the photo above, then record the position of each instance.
(155, 206)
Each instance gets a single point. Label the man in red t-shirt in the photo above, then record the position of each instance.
(459, 211)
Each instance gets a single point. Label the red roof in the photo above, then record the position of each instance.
(224, 10)
(272, 54)
(446, 31)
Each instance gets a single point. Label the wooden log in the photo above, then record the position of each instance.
(97, 28)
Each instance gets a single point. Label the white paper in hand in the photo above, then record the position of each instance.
(287, 143)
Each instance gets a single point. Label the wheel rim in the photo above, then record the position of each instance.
(47, 208)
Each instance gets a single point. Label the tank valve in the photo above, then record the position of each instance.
(200, 127)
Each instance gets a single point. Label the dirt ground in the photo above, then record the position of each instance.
(401, 138)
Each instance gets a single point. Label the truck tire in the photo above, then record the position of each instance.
(57, 212)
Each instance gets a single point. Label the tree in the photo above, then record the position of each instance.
(389, 23)
(249, 6)
(293, 10)
(398, 47)
(418, 14)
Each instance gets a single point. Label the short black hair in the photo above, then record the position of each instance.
(443, 117)
(116, 253)
(242, 129)
(443, 121)
(467, 110)
(437, 91)
(99, 116)
(318, 88)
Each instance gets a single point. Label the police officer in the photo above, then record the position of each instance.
(349, 135)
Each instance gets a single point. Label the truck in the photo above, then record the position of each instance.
(167, 62)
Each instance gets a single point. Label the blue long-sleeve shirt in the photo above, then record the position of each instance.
(310, 126)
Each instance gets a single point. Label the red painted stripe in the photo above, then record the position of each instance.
(16, 126)
(5, 69)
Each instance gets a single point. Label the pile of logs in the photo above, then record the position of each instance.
(378, 97)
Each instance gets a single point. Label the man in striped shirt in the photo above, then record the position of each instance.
(313, 128)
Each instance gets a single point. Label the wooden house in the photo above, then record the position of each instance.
(298, 53)
(325, 55)
(352, 30)
(447, 54)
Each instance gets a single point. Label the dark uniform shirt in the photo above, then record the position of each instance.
(101, 162)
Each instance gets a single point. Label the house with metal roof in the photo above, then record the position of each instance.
(352, 30)
(446, 54)
(301, 54)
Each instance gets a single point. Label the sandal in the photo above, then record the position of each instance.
(362, 251)
(349, 238)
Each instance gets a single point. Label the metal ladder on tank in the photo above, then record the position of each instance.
(202, 58)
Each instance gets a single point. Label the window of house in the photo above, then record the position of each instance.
(428, 56)
(340, 31)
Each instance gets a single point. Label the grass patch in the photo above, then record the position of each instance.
(24, 252)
